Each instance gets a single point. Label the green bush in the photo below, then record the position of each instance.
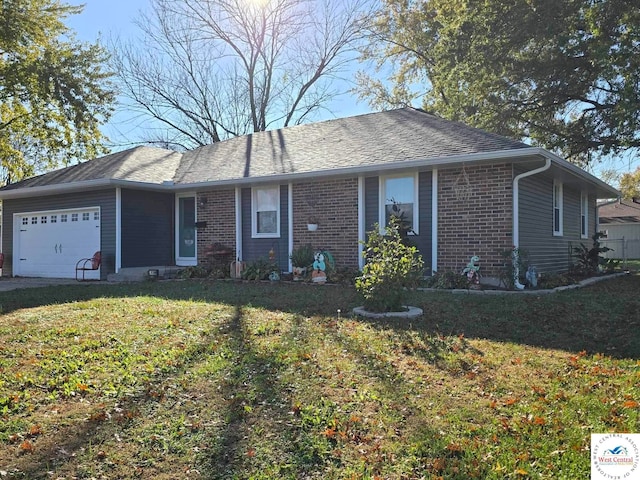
(589, 261)
(391, 267)
(447, 280)
(259, 269)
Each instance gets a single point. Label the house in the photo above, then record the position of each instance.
(620, 223)
(465, 191)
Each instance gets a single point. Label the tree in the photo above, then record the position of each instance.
(54, 92)
(207, 70)
(560, 74)
(630, 184)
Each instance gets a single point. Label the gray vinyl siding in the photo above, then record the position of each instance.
(147, 228)
(549, 253)
(256, 248)
(371, 202)
(423, 241)
(105, 199)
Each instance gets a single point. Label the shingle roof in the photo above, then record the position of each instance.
(622, 211)
(139, 164)
(374, 139)
(366, 140)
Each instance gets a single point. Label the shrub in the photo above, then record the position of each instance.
(590, 261)
(391, 267)
(259, 269)
(447, 280)
(302, 256)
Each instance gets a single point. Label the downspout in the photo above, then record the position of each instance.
(516, 215)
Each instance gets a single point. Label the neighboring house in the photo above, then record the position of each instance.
(466, 192)
(620, 223)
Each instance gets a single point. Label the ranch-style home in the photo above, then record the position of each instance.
(465, 192)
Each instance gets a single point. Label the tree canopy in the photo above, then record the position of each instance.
(207, 70)
(630, 184)
(54, 90)
(564, 74)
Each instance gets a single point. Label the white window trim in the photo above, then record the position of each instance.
(254, 213)
(560, 201)
(383, 201)
(584, 212)
(185, 261)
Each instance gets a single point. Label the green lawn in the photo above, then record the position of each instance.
(222, 380)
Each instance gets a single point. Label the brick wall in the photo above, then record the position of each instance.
(480, 225)
(334, 203)
(220, 214)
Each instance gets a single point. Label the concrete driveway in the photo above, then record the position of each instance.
(13, 283)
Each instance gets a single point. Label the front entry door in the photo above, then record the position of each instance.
(186, 238)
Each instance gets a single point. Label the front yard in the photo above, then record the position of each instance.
(218, 380)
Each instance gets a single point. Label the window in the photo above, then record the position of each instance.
(74, 217)
(399, 196)
(96, 216)
(557, 208)
(25, 221)
(63, 218)
(85, 216)
(584, 217)
(43, 219)
(54, 218)
(34, 220)
(265, 212)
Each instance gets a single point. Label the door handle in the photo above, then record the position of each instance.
(56, 248)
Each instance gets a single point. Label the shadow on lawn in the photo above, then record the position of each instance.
(601, 318)
(257, 408)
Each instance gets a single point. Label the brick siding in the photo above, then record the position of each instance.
(220, 214)
(334, 203)
(480, 225)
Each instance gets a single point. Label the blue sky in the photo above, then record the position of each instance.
(106, 17)
(110, 18)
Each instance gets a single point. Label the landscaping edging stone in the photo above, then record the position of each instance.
(584, 283)
(411, 312)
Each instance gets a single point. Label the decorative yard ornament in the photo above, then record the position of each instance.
(462, 186)
(472, 271)
(319, 274)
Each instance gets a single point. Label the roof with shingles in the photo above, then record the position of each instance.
(139, 164)
(622, 211)
(384, 138)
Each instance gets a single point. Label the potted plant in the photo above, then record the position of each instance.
(312, 224)
(301, 259)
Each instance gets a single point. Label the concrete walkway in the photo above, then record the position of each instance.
(14, 283)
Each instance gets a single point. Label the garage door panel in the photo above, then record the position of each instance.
(49, 244)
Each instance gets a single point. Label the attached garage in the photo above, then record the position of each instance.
(50, 243)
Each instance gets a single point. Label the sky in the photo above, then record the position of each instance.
(105, 19)
(115, 18)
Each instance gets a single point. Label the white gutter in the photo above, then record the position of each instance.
(516, 214)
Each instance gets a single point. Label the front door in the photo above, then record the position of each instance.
(186, 238)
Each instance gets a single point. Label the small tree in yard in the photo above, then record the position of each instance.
(392, 267)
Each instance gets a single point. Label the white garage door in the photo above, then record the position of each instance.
(49, 244)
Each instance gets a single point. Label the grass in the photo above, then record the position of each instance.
(259, 381)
